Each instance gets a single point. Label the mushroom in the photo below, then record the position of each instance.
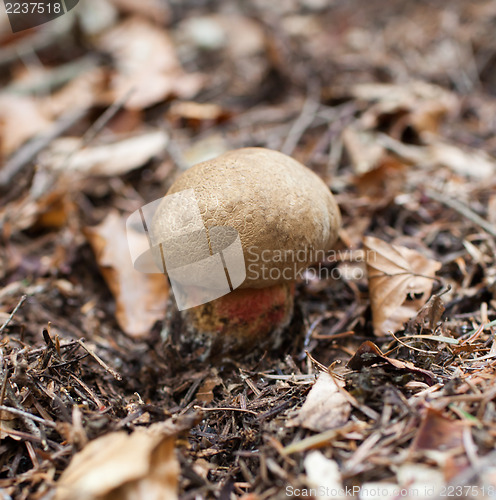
(265, 218)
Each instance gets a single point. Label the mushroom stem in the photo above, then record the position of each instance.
(245, 319)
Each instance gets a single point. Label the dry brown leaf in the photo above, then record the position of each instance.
(464, 162)
(325, 407)
(469, 163)
(140, 298)
(383, 183)
(438, 432)
(324, 476)
(119, 466)
(365, 151)
(63, 164)
(425, 104)
(8, 422)
(51, 210)
(196, 114)
(431, 313)
(205, 392)
(400, 282)
(146, 65)
(21, 118)
(491, 209)
(111, 158)
(420, 477)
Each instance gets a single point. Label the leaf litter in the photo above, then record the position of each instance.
(384, 381)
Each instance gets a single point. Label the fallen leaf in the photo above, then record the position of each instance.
(466, 162)
(400, 281)
(196, 114)
(140, 298)
(383, 183)
(491, 209)
(421, 478)
(121, 466)
(115, 157)
(418, 104)
(53, 209)
(431, 313)
(369, 354)
(21, 117)
(325, 406)
(365, 151)
(8, 422)
(25, 110)
(205, 391)
(323, 475)
(146, 65)
(438, 432)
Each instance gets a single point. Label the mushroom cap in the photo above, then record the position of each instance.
(284, 214)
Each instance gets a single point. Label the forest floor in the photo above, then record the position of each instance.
(393, 104)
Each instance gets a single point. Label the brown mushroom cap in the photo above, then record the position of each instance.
(285, 215)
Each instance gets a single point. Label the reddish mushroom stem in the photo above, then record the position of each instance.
(245, 318)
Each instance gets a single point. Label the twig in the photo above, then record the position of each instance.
(462, 210)
(318, 440)
(298, 128)
(27, 415)
(362, 452)
(13, 313)
(487, 325)
(105, 117)
(242, 410)
(100, 361)
(4, 386)
(319, 365)
(99, 404)
(409, 346)
(27, 437)
(310, 377)
(311, 329)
